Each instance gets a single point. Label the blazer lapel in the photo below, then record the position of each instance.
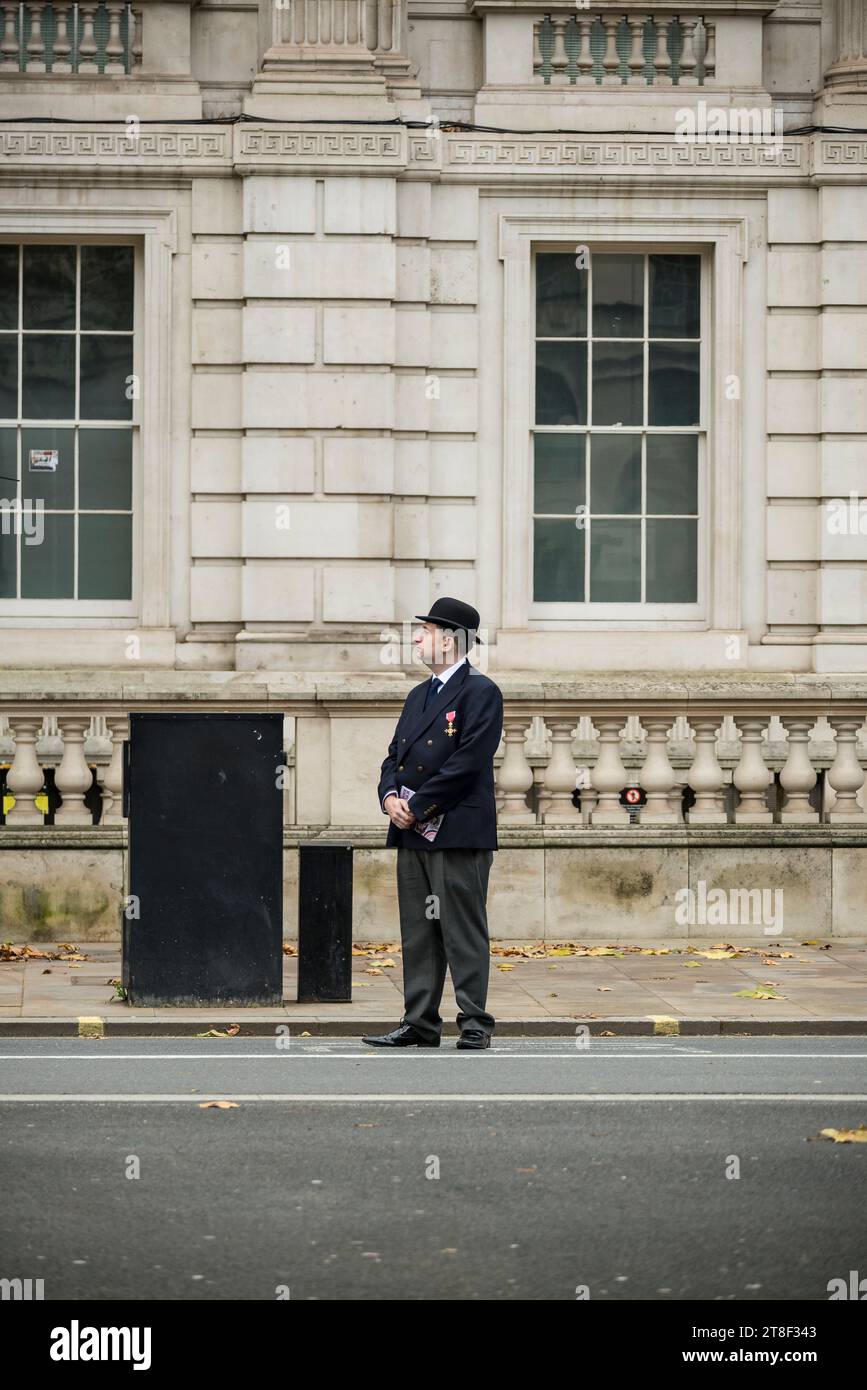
(420, 720)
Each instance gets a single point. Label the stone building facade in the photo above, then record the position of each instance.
(315, 311)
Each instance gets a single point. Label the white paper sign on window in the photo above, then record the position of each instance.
(44, 460)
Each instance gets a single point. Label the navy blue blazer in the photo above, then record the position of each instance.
(448, 773)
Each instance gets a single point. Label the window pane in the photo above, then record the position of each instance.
(48, 376)
(46, 568)
(105, 470)
(8, 462)
(561, 297)
(105, 557)
(615, 473)
(674, 384)
(8, 544)
(8, 376)
(615, 561)
(558, 483)
(9, 520)
(672, 571)
(8, 286)
(558, 562)
(57, 488)
(675, 305)
(106, 363)
(561, 383)
(672, 474)
(49, 287)
(617, 383)
(106, 287)
(618, 296)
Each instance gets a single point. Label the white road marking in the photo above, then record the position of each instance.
(419, 1098)
(579, 1054)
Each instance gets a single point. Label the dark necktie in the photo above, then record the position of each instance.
(432, 691)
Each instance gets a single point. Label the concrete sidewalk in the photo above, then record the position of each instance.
(535, 989)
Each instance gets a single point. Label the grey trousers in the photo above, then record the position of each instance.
(442, 897)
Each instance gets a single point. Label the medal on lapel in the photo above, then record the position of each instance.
(450, 716)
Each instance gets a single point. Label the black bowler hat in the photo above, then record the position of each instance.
(450, 612)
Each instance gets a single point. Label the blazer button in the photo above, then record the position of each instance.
(400, 767)
(430, 741)
(403, 740)
(420, 768)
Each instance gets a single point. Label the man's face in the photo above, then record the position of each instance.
(435, 646)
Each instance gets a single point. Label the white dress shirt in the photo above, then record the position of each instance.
(443, 677)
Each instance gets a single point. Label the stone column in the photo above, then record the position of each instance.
(848, 69)
(331, 56)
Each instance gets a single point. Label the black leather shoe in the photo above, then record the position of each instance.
(403, 1036)
(473, 1038)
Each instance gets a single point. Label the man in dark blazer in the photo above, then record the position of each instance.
(443, 752)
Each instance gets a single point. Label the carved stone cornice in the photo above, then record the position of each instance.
(68, 152)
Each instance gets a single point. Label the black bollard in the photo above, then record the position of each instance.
(325, 924)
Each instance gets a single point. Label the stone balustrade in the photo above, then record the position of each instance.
(60, 38)
(634, 50)
(712, 765)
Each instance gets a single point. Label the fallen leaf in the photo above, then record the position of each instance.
(218, 1105)
(757, 994)
(846, 1136)
(603, 989)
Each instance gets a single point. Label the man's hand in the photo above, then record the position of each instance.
(399, 813)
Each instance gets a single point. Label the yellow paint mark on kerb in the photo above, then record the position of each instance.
(91, 1027)
(663, 1024)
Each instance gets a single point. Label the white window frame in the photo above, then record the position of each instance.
(153, 233)
(722, 244)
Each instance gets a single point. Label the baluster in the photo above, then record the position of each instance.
(87, 43)
(537, 48)
(706, 777)
(112, 781)
(136, 44)
(609, 775)
(611, 58)
(36, 43)
(25, 777)
(10, 46)
(662, 60)
(657, 774)
(846, 774)
(114, 45)
(289, 815)
(516, 775)
(73, 777)
(688, 74)
(709, 64)
(751, 776)
(636, 56)
(559, 776)
(585, 56)
(62, 47)
(798, 776)
(559, 58)
(675, 797)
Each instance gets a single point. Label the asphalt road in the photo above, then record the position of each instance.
(530, 1171)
